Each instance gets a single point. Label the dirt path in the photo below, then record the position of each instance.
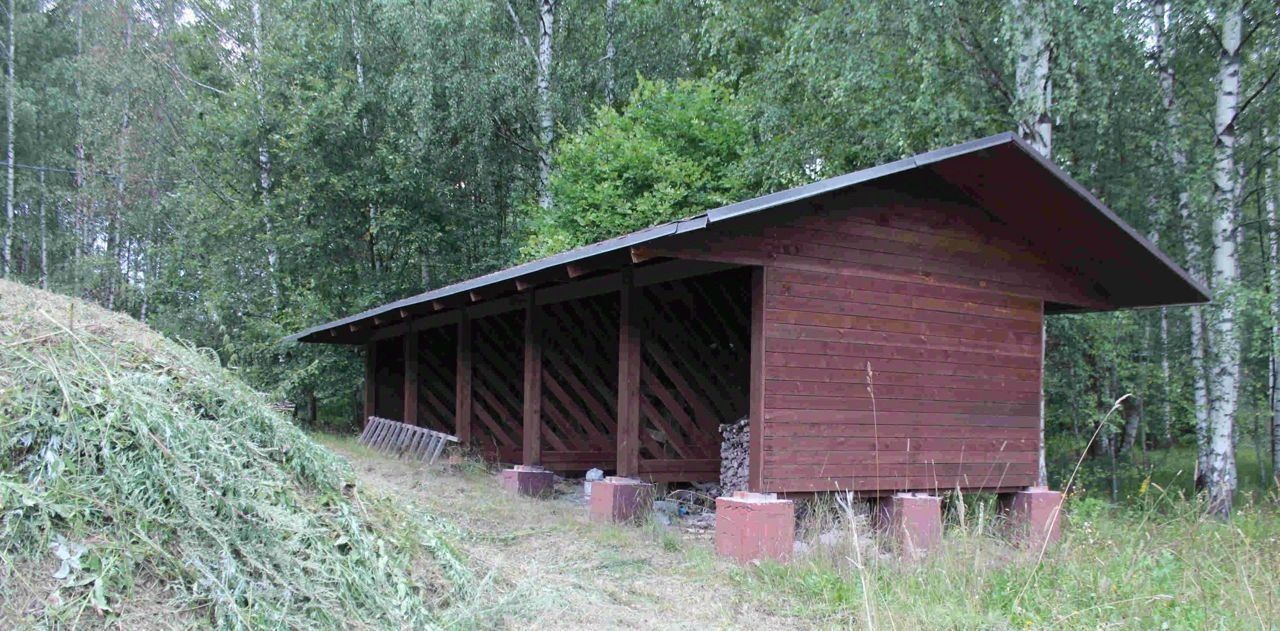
(556, 570)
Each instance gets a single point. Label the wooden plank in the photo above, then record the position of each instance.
(411, 378)
(462, 384)
(532, 448)
(755, 461)
(370, 380)
(629, 367)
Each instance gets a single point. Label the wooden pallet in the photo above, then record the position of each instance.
(401, 439)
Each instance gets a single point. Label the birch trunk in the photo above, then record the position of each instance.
(44, 235)
(1034, 95)
(1031, 73)
(357, 46)
(610, 51)
(1221, 472)
(546, 118)
(264, 152)
(122, 166)
(9, 91)
(1178, 157)
(77, 179)
(1273, 218)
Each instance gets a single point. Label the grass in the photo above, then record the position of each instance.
(1159, 564)
(142, 485)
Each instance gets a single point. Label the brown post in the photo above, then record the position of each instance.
(532, 454)
(411, 377)
(462, 403)
(755, 441)
(370, 381)
(628, 377)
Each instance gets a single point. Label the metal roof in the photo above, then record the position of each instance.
(947, 163)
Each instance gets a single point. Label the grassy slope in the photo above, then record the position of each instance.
(143, 485)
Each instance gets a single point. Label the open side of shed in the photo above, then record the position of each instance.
(882, 330)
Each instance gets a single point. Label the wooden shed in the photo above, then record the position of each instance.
(882, 330)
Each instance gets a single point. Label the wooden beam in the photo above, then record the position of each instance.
(575, 270)
(628, 409)
(462, 398)
(532, 452)
(411, 378)
(494, 307)
(668, 271)
(370, 381)
(642, 254)
(755, 443)
(580, 289)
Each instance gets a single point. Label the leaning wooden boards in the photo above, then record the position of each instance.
(400, 439)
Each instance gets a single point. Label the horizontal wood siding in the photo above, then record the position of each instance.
(902, 351)
(902, 345)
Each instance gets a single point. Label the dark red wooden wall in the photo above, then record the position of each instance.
(942, 305)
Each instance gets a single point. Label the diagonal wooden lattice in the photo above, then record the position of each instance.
(695, 372)
(497, 385)
(579, 382)
(437, 373)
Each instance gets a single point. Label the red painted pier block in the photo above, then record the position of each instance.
(912, 520)
(1033, 515)
(752, 526)
(526, 480)
(616, 499)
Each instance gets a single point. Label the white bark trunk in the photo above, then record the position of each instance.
(265, 182)
(610, 51)
(122, 168)
(1178, 156)
(81, 208)
(1035, 95)
(1031, 73)
(1221, 478)
(44, 236)
(1273, 218)
(10, 90)
(546, 117)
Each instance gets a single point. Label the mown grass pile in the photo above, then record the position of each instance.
(137, 470)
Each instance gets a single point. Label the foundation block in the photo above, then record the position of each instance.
(527, 480)
(912, 520)
(619, 500)
(1033, 515)
(753, 526)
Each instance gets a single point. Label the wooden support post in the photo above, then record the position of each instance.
(532, 453)
(462, 402)
(755, 443)
(411, 378)
(628, 378)
(370, 381)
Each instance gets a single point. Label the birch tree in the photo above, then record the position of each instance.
(546, 117)
(264, 151)
(1030, 24)
(9, 96)
(1165, 49)
(1033, 49)
(1220, 476)
(1272, 192)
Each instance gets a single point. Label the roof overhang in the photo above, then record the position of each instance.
(1001, 174)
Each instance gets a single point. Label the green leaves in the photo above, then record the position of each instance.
(672, 152)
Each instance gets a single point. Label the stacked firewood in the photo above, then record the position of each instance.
(735, 454)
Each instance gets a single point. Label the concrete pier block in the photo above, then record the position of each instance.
(753, 526)
(912, 520)
(528, 480)
(617, 499)
(1033, 515)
